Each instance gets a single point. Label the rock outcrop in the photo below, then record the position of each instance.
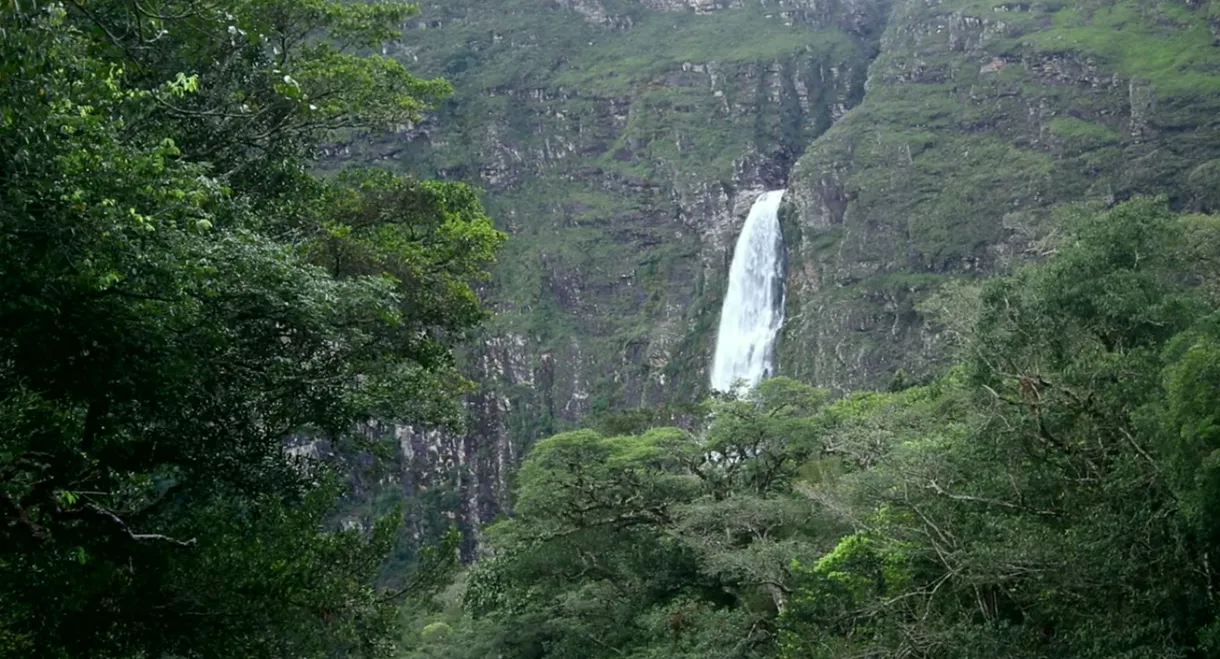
(979, 120)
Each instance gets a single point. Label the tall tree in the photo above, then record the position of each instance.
(178, 294)
(665, 543)
(1055, 502)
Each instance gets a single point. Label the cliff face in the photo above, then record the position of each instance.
(979, 118)
(622, 141)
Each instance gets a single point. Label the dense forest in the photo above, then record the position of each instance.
(181, 295)
(207, 318)
(1050, 495)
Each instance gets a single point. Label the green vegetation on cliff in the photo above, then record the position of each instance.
(981, 118)
(615, 138)
(1052, 495)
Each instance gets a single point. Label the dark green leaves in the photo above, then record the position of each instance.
(179, 297)
(1053, 496)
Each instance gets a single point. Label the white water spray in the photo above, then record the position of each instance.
(753, 308)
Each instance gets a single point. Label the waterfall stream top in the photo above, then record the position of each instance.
(753, 306)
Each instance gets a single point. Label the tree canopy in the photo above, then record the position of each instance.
(1054, 494)
(180, 294)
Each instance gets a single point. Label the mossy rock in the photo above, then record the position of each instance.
(1204, 185)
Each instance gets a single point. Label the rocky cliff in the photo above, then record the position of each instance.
(979, 119)
(621, 143)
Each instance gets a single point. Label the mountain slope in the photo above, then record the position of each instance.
(621, 143)
(981, 117)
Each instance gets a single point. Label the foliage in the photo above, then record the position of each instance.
(180, 297)
(659, 544)
(1039, 518)
(1052, 495)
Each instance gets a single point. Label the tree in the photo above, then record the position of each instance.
(1053, 503)
(664, 543)
(171, 311)
(1052, 495)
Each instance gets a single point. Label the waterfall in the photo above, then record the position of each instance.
(753, 307)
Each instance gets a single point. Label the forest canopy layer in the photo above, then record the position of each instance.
(1053, 494)
(179, 295)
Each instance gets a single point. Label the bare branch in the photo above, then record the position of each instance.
(935, 487)
(116, 523)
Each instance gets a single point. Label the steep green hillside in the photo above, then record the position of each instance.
(613, 140)
(621, 143)
(981, 116)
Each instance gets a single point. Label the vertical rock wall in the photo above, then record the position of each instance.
(621, 143)
(980, 118)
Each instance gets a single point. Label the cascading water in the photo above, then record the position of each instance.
(753, 308)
